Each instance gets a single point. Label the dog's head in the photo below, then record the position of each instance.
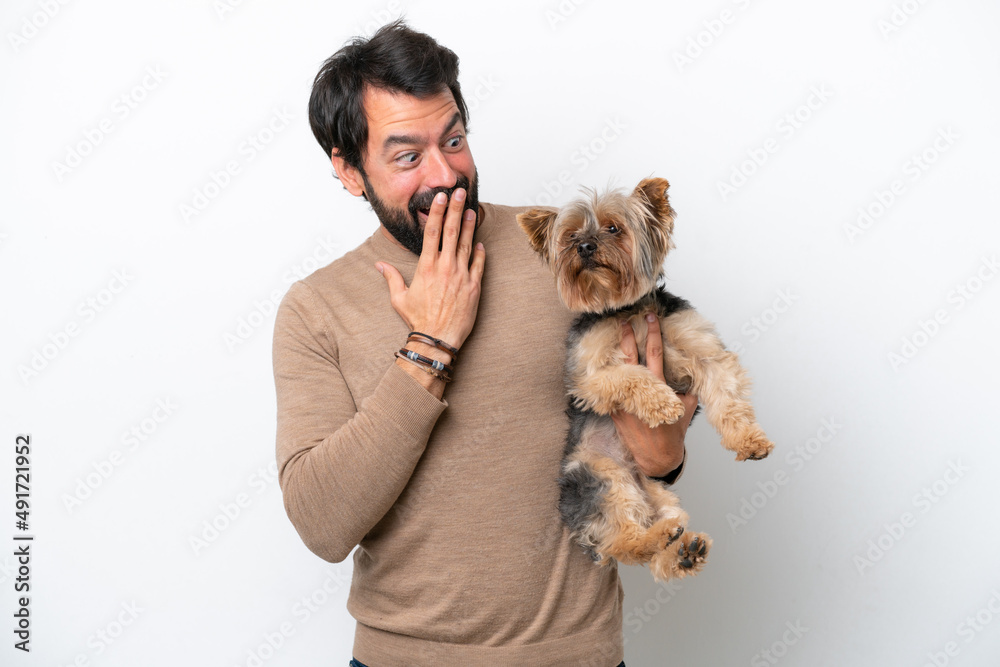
(606, 250)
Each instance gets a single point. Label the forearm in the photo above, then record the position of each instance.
(337, 487)
(341, 463)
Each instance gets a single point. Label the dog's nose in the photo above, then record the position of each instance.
(586, 249)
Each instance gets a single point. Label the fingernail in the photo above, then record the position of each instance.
(379, 267)
(459, 195)
(440, 198)
(470, 215)
(650, 317)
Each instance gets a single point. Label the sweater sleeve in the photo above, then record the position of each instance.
(340, 467)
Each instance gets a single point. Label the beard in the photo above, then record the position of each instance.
(404, 225)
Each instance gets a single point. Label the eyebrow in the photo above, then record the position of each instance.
(403, 139)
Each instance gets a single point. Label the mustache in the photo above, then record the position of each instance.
(425, 199)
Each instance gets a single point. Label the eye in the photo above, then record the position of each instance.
(407, 158)
(454, 142)
(613, 229)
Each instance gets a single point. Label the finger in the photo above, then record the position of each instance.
(452, 225)
(397, 287)
(628, 343)
(690, 402)
(478, 262)
(465, 240)
(654, 346)
(432, 230)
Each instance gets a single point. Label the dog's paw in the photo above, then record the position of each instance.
(657, 405)
(753, 445)
(693, 552)
(684, 558)
(667, 531)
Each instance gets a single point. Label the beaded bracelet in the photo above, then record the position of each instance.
(436, 342)
(430, 366)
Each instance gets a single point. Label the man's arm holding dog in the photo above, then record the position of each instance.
(657, 451)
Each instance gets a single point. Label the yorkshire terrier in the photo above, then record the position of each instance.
(607, 252)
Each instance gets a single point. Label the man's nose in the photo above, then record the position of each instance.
(438, 171)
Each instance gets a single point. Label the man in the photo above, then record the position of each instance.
(447, 489)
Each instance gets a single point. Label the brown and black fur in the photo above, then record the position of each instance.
(607, 252)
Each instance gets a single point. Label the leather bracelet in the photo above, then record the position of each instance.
(436, 342)
(426, 365)
(427, 361)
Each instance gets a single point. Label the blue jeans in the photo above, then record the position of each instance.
(355, 663)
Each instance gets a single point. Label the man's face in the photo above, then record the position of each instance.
(416, 148)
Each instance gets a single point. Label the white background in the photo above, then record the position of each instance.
(873, 547)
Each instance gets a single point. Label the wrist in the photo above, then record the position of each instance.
(660, 466)
(427, 339)
(429, 351)
(429, 382)
(671, 476)
(423, 353)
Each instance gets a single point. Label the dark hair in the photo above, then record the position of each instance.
(397, 59)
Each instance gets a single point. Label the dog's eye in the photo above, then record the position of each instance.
(613, 229)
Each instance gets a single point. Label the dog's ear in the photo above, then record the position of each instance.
(653, 193)
(654, 190)
(536, 223)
